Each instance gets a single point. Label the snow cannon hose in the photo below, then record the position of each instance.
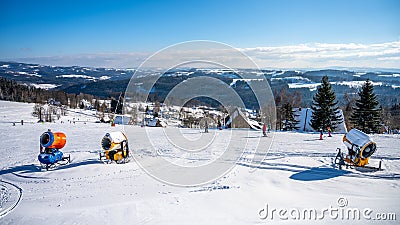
(53, 140)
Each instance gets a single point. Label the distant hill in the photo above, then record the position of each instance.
(105, 82)
(59, 77)
(105, 89)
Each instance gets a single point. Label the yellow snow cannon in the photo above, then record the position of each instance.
(360, 148)
(115, 146)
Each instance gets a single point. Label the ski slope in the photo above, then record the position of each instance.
(295, 174)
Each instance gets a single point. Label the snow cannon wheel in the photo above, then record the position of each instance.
(68, 158)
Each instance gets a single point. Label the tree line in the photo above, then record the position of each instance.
(363, 112)
(13, 91)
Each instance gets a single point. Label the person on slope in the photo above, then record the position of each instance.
(264, 130)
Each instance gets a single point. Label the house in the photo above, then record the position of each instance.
(122, 119)
(239, 120)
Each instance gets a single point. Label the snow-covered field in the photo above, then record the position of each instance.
(295, 176)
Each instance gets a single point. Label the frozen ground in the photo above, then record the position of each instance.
(295, 175)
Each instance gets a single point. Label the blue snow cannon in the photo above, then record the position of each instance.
(52, 157)
(50, 145)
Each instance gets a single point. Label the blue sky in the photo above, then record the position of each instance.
(63, 31)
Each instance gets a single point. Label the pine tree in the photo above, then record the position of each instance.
(366, 113)
(97, 105)
(324, 106)
(289, 122)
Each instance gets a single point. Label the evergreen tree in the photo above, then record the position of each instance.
(117, 105)
(97, 105)
(366, 113)
(289, 122)
(156, 109)
(324, 106)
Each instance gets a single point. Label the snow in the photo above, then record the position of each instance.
(44, 86)
(229, 73)
(312, 86)
(389, 75)
(359, 74)
(104, 78)
(29, 74)
(299, 78)
(355, 84)
(178, 73)
(76, 76)
(351, 84)
(257, 73)
(276, 73)
(295, 174)
(233, 83)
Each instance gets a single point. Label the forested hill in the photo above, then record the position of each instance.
(13, 91)
(109, 82)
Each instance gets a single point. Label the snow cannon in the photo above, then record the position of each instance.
(53, 140)
(50, 145)
(115, 146)
(360, 147)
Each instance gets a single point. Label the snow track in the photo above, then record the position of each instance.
(10, 197)
(296, 172)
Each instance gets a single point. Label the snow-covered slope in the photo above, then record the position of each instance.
(295, 175)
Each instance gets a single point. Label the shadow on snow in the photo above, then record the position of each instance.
(26, 171)
(301, 173)
(23, 169)
(318, 173)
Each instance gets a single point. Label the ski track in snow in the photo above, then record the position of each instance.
(296, 172)
(10, 197)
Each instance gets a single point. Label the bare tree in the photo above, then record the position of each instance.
(38, 111)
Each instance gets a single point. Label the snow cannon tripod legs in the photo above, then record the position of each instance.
(340, 160)
(360, 148)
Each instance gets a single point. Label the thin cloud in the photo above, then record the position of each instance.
(311, 55)
(106, 60)
(319, 55)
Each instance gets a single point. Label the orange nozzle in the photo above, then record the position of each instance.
(53, 140)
